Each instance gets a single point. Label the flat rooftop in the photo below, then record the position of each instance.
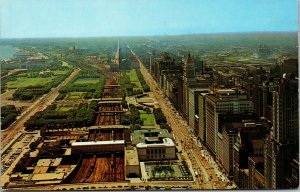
(167, 142)
(110, 127)
(140, 136)
(201, 90)
(131, 156)
(99, 143)
(225, 91)
(44, 163)
(47, 176)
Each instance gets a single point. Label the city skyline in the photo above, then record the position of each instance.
(38, 19)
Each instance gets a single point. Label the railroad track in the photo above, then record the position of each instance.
(104, 167)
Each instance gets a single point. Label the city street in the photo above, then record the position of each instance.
(206, 172)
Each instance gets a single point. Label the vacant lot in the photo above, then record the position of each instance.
(85, 81)
(26, 82)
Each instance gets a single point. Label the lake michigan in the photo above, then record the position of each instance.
(7, 52)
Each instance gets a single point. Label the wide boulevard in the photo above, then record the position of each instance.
(208, 174)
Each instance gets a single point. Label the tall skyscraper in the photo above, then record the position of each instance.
(188, 78)
(194, 108)
(223, 101)
(282, 144)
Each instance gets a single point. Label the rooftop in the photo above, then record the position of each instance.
(257, 159)
(232, 127)
(142, 136)
(131, 157)
(93, 143)
(44, 163)
(47, 176)
(201, 90)
(225, 91)
(167, 142)
(110, 127)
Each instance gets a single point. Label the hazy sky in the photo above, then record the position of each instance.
(83, 18)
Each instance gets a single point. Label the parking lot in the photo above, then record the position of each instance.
(13, 153)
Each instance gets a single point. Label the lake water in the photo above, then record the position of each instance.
(6, 52)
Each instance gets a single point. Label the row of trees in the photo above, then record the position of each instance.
(159, 116)
(161, 119)
(142, 80)
(133, 118)
(126, 83)
(83, 115)
(9, 114)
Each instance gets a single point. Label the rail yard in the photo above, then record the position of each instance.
(104, 167)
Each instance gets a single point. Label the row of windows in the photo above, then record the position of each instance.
(155, 151)
(156, 156)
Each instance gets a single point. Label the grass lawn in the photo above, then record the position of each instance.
(26, 82)
(86, 81)
(233, 58)
(148, 119)
(136, 84)
(76, 95)
(133, 76)
(135, 81)
(63, 109)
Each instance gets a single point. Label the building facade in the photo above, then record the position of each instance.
(282, 144)
(223, 101)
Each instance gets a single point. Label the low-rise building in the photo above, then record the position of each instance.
(132, 163)
(157, 149)
(140, 136)
(97, 146)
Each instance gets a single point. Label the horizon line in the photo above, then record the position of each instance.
(158, 35)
